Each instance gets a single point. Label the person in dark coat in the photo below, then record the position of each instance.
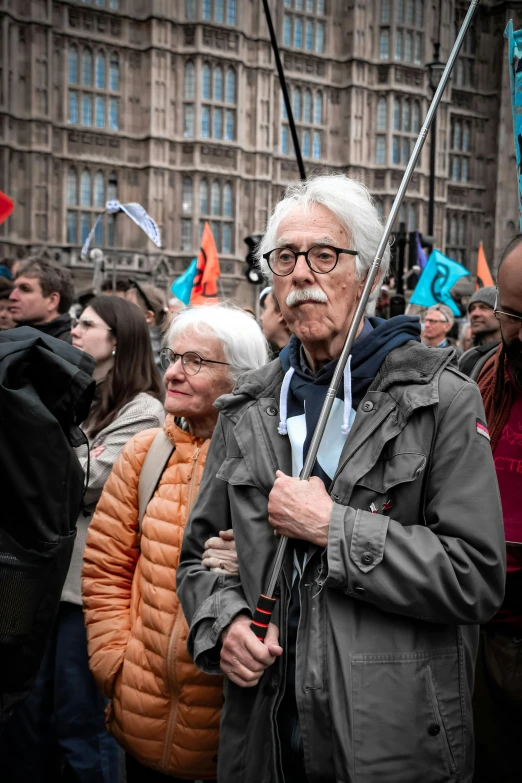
(42, 295)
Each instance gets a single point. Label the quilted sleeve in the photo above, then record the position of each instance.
(109, 564)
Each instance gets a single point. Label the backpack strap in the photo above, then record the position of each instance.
(152, 470)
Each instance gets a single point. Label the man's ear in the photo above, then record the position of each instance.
(53, 301)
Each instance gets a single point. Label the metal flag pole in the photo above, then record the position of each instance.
(286, 96)
(266, 601)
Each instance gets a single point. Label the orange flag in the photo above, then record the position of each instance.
(483, 274)
(204, 288)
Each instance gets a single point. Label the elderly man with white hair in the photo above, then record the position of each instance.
(396, 550)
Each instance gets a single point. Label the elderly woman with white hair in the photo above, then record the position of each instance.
(163, 711)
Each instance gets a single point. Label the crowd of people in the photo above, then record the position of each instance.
(397, 634)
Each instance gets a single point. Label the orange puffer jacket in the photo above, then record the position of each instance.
(163, 711)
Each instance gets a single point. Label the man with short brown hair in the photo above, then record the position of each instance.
(273, 324)
(42, 295)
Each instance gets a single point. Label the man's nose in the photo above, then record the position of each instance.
(14, 294)
(302, 272)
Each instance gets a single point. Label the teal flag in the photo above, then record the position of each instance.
(182, 286)
(515, 77)
(438, 278)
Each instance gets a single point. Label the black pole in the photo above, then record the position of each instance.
(282, 82)
(401, 247)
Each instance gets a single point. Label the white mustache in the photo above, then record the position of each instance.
(305, 295)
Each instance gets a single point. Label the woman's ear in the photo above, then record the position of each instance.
(149, 317)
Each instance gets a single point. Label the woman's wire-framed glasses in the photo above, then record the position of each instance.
(321, 259)
(190, 360)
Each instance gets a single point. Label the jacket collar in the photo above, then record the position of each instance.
(412, 364)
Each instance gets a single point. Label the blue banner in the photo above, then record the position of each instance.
(438, 278)
(182, 286)
(515, 78)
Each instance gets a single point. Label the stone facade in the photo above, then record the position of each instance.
(176, 104)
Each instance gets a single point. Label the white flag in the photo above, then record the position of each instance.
(137, 213)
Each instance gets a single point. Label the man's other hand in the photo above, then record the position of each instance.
(300, 509)
(244, 657)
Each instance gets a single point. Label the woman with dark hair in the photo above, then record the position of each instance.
(59, 732)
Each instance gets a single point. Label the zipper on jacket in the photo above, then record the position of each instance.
(172, 683)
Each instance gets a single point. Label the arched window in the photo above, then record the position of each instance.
(227, 200)
(453, 230)
(114, 72)
(99, 188)
(309, 36)
(382, 114)
(190, 10)
(188, 120)
(85, 189)
(319, 37)
(412, 217)
(73, 65)
(463, 230)
(287, 31)
(464, 171)
(217, 130)
(306, 143)
(307, 106)
(284, 140)
(219, 10)
(384, 45)
(215, 199)
(466, 137)
(87, 110)
(112, 188)
(406, 116)
(298, 33)
(227, 238)
(207, 10)
(230, 125)
(415, 117)
(318, 108)
(218, 84)
(189, 82)
(231, 86)
(297, 104)
(409, 12)
(186, 199)
(72, 186)
(408, 47)
(231, 12)
(419, 14)
(457, 135)
(205, 82)
(398, 45)
(87, 68)
(100, 71)
(205, 122)
(317, 144)
(99, 111)
(396, 114)
(203, 197)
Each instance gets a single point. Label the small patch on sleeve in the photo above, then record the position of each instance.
(482, 429)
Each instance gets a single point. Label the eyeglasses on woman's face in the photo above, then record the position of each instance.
(321, 259)
(86, 325)
(190, 360)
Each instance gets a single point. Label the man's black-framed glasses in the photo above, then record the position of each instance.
(190, 360)
(321, 259)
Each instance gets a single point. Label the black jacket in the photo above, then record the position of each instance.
(59, 327)
(46, 389)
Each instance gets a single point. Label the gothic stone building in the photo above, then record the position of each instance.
(176, 104)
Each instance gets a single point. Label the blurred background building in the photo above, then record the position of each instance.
(176, 104)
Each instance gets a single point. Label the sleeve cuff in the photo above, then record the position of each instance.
(204, 641)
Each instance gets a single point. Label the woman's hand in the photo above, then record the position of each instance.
(220, 554)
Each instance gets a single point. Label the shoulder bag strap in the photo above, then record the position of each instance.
(152, 470)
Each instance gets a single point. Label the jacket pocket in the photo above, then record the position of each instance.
(407, 718)
(235, 472)
(393, 470)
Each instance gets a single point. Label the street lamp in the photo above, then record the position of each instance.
(435, 70)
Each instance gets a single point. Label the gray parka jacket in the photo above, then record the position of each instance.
(389, 611)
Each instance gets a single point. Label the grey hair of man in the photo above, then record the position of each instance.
(243, 343)
(351, 203)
